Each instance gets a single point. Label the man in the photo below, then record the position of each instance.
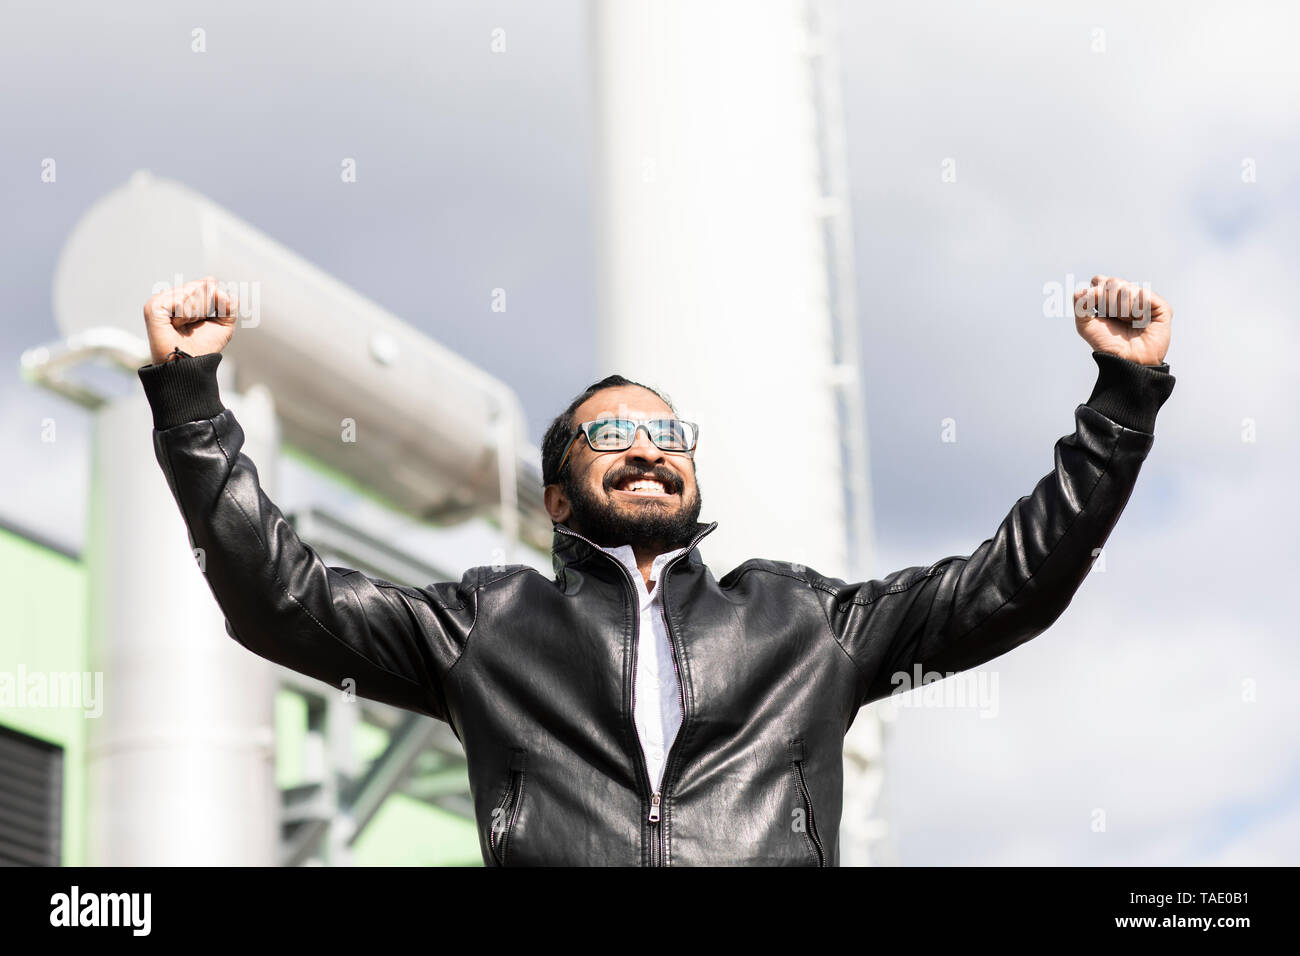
(634, 709)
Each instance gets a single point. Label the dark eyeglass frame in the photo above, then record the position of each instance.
(585, 429)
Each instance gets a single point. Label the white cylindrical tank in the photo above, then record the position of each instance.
(424, 425)
(712, 268)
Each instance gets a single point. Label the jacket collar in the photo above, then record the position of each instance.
(570, 549)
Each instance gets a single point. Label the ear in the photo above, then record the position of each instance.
(557, 505)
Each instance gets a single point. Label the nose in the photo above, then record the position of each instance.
(643, 449)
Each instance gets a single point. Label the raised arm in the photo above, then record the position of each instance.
(965, 610)
(279, 598)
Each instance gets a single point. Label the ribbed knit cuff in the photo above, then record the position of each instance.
(183, 390)
(1130, 393)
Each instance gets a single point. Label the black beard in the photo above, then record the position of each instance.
(656, 527)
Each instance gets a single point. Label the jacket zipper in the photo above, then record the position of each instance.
(656, 796)
(656, 800)
(807, 802)
(511, 800)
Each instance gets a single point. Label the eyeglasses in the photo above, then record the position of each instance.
(619, 434)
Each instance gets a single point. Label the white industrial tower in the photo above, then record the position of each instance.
(725, 278)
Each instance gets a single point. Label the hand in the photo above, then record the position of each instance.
(1132, 322)
(183, 317)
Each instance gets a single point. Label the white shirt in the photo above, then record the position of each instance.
(658, 706)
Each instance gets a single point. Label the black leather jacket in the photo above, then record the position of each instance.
(535, 674)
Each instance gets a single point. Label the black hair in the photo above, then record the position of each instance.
(561, 430)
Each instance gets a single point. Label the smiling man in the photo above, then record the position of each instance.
(634, 709)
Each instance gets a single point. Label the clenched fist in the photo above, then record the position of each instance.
(197, 317)
(1123, 319)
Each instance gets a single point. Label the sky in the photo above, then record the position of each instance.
(1155, 722)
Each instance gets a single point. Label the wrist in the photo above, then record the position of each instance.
(174, 355)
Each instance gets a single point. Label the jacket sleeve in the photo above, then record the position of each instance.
(965, 610)
(279, 598)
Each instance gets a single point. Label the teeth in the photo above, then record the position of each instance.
(645, 485)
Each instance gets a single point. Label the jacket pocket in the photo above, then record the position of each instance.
(809, 823)
(502, 823)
